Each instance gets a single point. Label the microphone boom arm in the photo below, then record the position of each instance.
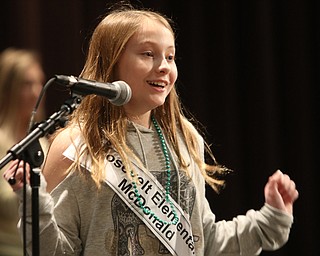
(41, 130)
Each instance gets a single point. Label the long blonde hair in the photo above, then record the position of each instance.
(104, 124)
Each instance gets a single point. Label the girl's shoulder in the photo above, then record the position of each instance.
(56, 166)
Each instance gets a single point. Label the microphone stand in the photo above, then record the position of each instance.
(29, 150)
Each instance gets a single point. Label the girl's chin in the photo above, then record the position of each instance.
(158, 101)
(148, 105)
(158, 104)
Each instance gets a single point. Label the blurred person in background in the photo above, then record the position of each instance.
(21, 81)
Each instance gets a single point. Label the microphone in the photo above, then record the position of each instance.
(118, 92)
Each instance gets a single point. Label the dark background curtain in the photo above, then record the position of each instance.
(248, 71)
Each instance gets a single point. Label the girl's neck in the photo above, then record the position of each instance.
(143, 120)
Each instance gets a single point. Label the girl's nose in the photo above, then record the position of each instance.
(164, 66)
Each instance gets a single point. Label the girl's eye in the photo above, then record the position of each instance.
(148, 54)
(171, 57)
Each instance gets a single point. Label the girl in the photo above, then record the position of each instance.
(130, 180)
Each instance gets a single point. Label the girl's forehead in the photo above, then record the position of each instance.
(153, 28)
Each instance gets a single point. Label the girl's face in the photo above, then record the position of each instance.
(148, 65)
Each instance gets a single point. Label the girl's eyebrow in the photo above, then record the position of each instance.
(152, 43)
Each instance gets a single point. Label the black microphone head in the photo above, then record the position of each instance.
(125, 93)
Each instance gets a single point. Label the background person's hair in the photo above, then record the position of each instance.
(13, 65)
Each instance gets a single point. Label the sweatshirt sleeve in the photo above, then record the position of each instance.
(54, 240)
(248, 234)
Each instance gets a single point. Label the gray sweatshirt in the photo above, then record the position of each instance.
(78, 219)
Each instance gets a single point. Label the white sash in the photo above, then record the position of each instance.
(177, 238)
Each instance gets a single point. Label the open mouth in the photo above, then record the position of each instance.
(157, 84)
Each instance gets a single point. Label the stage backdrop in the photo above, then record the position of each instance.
(248, 71)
